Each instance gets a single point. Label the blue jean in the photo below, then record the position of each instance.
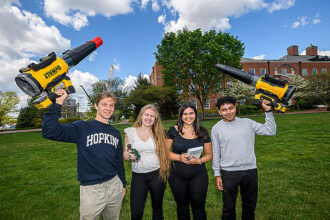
(247, 180)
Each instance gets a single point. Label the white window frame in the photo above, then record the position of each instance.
(314, 71)
(284, 72)
(324, 70)
(304, 72)
(207, 104)
(253, 71)
(230, 84)
(261, 70)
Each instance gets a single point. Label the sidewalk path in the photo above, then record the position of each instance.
(39, 129)
(17, 131)
(127, 121)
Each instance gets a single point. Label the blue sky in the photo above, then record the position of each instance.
(131, 30)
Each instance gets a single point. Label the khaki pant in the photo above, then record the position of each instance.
(103, 198)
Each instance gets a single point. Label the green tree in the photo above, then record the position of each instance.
(164, 98)
(30, 116)
(114, 86)
(240, 91)
(319, 87)
(8, 102)
(141, 80)
(302, 87)
(188, 59)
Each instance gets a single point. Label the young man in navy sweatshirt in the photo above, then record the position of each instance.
(100, 156)
(234, 161)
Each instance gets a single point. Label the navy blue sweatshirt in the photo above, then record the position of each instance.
(99, 146)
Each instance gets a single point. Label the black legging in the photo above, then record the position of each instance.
(189, 185)
(141, 183)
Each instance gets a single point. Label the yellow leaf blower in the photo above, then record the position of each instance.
(43, 79)
(274, 90)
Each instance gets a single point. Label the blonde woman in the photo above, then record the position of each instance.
(150, 171)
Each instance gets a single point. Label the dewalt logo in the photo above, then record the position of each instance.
(52, 72)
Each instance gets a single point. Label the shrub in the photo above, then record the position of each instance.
(68, 120)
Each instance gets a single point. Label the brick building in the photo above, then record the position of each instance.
(156, 75)
(292, 63)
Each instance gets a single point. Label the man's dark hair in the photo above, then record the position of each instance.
(226, 100)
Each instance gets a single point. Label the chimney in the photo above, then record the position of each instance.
(293, 50)
(311, 50)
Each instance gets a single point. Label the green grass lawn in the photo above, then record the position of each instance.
(38, 176)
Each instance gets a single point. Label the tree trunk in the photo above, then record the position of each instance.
(203, 113)
(239, 107)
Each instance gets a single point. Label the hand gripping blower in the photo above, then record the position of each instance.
(43, 79)
(274, 90)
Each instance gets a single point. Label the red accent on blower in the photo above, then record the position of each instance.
(98, 41)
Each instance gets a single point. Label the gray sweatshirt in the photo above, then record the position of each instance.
(233, 143)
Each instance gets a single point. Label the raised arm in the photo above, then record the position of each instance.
(52, 129)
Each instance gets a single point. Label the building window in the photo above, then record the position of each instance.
(218, 87)
(252, 71)
(284, 72)
(292, 71)
(324, 70)
(304, 72)
(229, 84)
(262, 72)
(314, 71)
(207, 104)
(216, 102)
(194, 102)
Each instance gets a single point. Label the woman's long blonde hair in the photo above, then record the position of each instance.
(159, 137)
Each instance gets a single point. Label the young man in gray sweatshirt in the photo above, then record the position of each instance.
(234, 161)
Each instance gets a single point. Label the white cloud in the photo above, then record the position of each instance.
(85, 79)
(75, 13)
(92, 56)
(130, 82)
(280, 5)
(155, 6)
(324, 53)
(116, 66)
(321, 53)
(10, 2)
(144, 3)
(24, 37)
(205, 14)
(260, 57)
(161, 19)
(301, 21)
(304, 20)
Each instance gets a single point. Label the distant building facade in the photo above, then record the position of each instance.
(70, 108)
(156, 75)
(292, 63)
